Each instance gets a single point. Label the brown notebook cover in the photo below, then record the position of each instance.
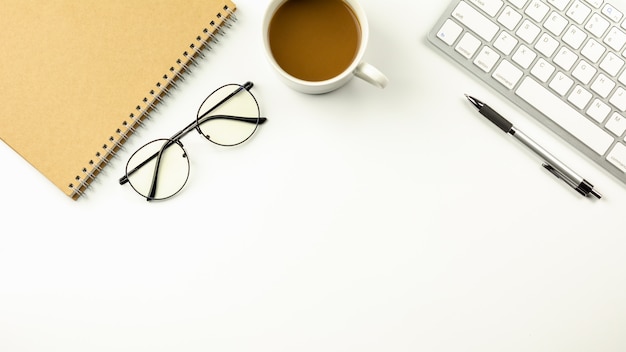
(79, 76)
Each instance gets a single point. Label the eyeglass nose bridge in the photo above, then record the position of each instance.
(205, 135)
(180, 144)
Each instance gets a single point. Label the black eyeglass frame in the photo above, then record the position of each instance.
(195, 125)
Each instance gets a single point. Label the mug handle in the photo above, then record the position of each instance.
(371, 75)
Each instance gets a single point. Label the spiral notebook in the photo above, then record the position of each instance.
(80, 76)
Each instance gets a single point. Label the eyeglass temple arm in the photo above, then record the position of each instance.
(194, 124)
(155, 175)
(124, 179)
(246, 86)
(259, 120)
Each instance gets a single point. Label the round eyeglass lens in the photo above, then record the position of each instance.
(229, 116)
(158, 170)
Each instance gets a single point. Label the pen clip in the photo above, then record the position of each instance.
(583, 188)
(558, 174)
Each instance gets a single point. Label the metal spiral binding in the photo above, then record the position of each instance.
(116, 142)
(163, 90)
(156, 96)
(109, 152)
(183, 65)
(176, 74)
(231, 14)
(150, 103)
(94, 165)
(217, 29)
(83, 184)
(76, 192)
(128, 127)
(211, 35)
(102, 157)
(204, 44)
(196, 51)
(190, 58)
(89, 176)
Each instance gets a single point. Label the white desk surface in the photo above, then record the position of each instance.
(361, 220)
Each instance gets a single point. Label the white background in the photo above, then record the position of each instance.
(360, 220)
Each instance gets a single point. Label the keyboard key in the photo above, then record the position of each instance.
(542, 70)
(486, 59)
(528, 31)
(580, 97)
(612, 13)
(537, 10)
(595, 3)
(505, 43)
(597, 25)
(578, 12)
(449, 32)
(491, 7)
(622, 78)
(618, 99)
(584, 71)
(547, 45)
(565, 58)
(468, 45)
(561, 83)
(565, 116)
(509, 18)
(524, 56)
(617, 156)
(612, 64)
(615, 39)
(475, 21)
(616, 124)
(598, 110)
(556, 23)
(559, 4)
(593, 50)
(574, 37)
(603, 86)
(507, 74)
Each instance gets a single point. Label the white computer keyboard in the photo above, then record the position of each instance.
(563, 61)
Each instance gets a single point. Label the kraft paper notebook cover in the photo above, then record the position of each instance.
(79, 76)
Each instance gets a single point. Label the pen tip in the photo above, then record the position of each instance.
(474, 101)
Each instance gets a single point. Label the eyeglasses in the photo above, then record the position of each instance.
(227, 117)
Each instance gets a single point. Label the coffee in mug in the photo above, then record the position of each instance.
(314, 40)
(318, 45)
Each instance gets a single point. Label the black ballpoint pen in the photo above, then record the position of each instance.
(551, 164)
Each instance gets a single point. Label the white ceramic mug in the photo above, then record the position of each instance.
(357, 68)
